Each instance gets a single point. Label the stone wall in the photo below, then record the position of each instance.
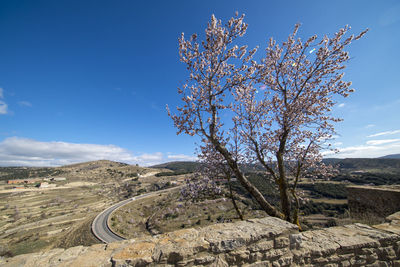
(257, 242)
(378, 201)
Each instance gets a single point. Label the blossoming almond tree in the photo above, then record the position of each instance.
(214, 166)
(279, 108)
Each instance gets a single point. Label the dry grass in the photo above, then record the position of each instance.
(165, 213)
(33, 221)
(330, 200)
(36, 220)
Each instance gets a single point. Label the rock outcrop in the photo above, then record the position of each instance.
(257, 242)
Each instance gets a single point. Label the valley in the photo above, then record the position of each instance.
(60, 214)
(35, 219)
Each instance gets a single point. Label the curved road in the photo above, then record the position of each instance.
(100, 227)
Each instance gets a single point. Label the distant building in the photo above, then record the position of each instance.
(24, 181)
(56, 179)
(46, 185)
(18, 187)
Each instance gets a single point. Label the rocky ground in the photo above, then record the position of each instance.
(257, 242)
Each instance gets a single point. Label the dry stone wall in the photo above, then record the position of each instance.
(257, 242)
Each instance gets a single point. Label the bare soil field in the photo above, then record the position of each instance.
(36, 219)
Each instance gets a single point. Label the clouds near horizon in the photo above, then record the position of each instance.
(384, 133)
(370, 149)
(17, 151)
(181, 157)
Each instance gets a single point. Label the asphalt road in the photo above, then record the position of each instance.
(100, 227)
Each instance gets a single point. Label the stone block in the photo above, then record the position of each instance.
(316, 243)
(366, 251)
(136, 254)
(344, 264)
(219, 262)
(386, 253)
(178, 246)
(394, 217)
(383, 264)
(273, 254)
(226, 237)
(285, 261)
(372, 257)
(320, 260)
(389, 227)
(345, 257)
(204, 260)
(182, 263)
(255, 257)
(237, 257)
(260, 264)
(281, 242)
(261, 246)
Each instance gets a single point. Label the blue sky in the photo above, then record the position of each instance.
(86, 80)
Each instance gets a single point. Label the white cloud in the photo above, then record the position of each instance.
(17, 151)
(384, 133)
(25, 104)
(28, 152)
(182, 157)
(372, 150)
(381, 142)
(156, 157)
(3, 107)
(341, 105)
(370, 126)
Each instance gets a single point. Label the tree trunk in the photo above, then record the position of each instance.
(296, 210)
(282, 182)
(284, 197)
(239, 213)
(265, 205)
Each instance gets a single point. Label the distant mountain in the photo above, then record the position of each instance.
(95, 164)
(95, 171)
(181, 166)
(353, 164)
(392, 156)
(350, 164)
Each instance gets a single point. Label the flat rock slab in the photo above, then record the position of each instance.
(349, 237)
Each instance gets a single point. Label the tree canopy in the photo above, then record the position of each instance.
(275, 112)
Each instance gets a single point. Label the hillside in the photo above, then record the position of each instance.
(60, 213)
(392, 156)
(182, 166)
(93, 171)
(389, 163)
